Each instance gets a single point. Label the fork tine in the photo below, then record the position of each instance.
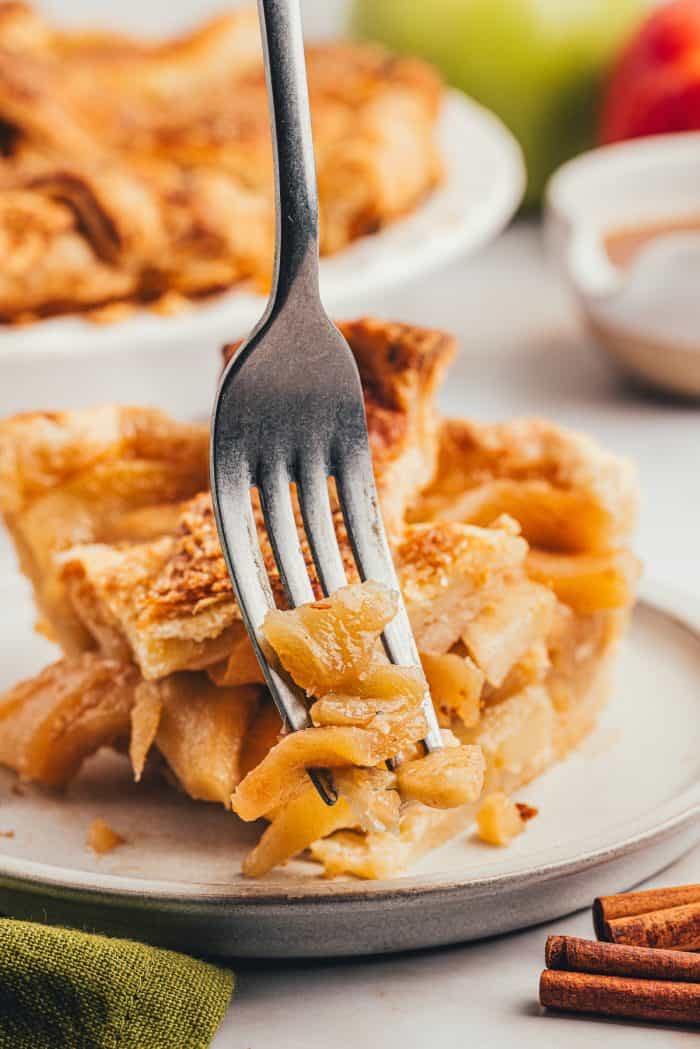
(280, 522)
(239, 541)
(312, 490)
(239, 538)
(358, 499)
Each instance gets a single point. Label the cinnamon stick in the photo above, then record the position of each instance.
(628, 904)
(571, 954)
(676, 928)
(620, 996)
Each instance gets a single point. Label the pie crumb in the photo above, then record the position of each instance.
(500, 819)
(101, 838)
(527, 812)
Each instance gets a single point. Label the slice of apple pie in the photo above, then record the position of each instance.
(133, 170)
(510, 547)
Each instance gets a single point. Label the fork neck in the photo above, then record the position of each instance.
(296, 204)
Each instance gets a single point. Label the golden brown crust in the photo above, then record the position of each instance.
(194, 574)
(185, 574)
(430, 553)
(401, 367)
(111, 474)
(132, 168)
(530, 448)
(194, 577)
(40, 451)
(565, 491)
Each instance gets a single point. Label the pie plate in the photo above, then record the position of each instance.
(69, 362)
(620, 808)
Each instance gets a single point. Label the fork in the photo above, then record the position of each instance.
(289, 410)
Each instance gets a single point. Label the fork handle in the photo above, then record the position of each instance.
(296, 240)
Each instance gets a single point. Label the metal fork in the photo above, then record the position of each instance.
(289, 409)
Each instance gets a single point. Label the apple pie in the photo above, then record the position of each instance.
(139, 171)
(510, 543)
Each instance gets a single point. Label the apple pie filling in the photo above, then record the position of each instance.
(510, 544)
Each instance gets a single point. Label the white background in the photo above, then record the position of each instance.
(522, 351)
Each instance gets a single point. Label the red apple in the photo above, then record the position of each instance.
(655, 84)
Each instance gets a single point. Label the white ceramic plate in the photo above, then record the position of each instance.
(622, 807)
(71, 362)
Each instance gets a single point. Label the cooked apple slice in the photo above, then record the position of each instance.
(507, 627)
(443, 779)
(373, 799)
(517, 738)
(241, 667)
(52, 722)
(382, 699)
(381, 715)
(201, 732)
(386, 681)
(531, 669)
(145, 719)
(302, 821)
(261, 737)
(499, 819)
(281, 775)
(455, 683)
(324, 644)
(587, 582)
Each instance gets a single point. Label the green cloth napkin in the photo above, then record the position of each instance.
(62, 989)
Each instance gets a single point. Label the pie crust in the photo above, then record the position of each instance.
(135, 171)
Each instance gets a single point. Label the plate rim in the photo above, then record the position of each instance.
(236, 310)
(673, 604)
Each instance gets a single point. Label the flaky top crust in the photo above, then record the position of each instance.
(131, 169)
(99, 466)
(534, 448)
(400, 366)
(533, 452)
(42, 450)
(163, 587)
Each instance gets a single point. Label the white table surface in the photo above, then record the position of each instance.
(522, 351)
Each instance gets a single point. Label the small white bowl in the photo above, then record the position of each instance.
(646, 314)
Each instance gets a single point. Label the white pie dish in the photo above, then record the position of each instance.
(621, 807)
(172, 362)
(646, 316)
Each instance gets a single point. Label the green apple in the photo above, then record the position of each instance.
(538, 64)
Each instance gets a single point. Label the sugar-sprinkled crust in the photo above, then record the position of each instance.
(178, 586)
